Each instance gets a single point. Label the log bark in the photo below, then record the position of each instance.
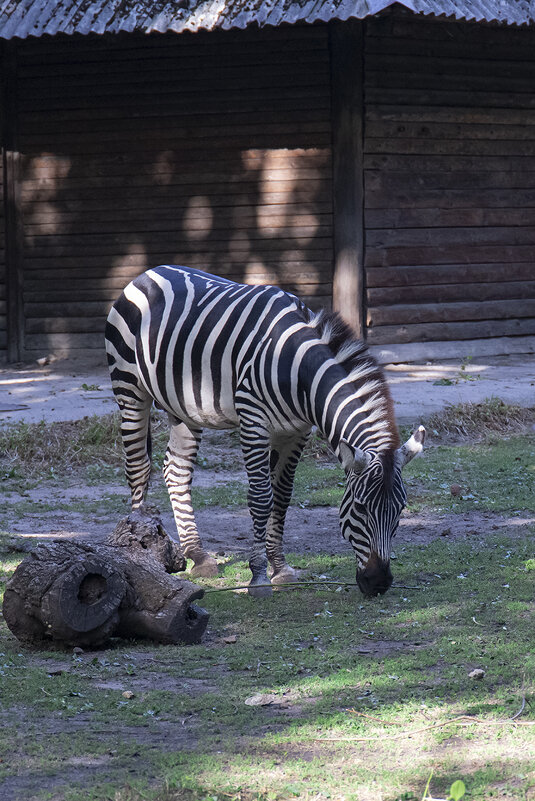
(81, 594)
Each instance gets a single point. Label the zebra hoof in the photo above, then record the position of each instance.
(260, 590)
(206, 568)
(285, 576)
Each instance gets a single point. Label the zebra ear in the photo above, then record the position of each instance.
(352, 458)
(411, 448)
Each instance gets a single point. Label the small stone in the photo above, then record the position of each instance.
(455, 490)
(128, 694)
(230, 639)
(77, 650)
(445, 532)
(477, 674)
(261, 699)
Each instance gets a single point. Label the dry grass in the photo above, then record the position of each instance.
(476, 421)
(37, 448)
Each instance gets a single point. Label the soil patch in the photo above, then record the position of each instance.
(314, 530)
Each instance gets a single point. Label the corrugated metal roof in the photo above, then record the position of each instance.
(23, 18)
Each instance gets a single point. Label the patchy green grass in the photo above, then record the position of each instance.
(312, 694)
(497, 475)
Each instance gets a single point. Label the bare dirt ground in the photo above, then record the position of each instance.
(227, 531)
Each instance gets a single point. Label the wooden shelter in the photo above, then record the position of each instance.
(374, 157)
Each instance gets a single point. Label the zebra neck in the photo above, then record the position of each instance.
(355, 407)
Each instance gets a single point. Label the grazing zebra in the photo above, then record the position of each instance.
(217, 354)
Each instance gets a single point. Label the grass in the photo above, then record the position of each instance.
(44, 450)
(479, 420)
(498, 475)
(336, 669)
(493, 473)
(357, 698)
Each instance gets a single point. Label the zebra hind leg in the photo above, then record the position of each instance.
(178, 473)
(135, 433)
(255, 447)
(285, 455)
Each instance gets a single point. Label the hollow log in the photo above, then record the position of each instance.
(81, 594)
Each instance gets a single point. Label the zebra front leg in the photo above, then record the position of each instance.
(178, 473)
(285, 455)
(255, 447)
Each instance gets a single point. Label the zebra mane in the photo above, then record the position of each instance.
(346, 349)
(362, 369)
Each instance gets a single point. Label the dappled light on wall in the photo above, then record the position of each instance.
(164, 167)
(198, 218)
(212, 152)
(41, 180)
(133, 260)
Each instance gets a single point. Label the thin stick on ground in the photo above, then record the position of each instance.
(297, 584)
(462, 720)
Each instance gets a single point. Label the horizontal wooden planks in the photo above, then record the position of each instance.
(212, 151)
(386, 298)
(449, 180)
(436, 312)
(3, 287)
(433, 332)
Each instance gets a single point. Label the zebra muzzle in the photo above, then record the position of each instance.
(376, 577)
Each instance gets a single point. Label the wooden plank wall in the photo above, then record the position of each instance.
(210, 150)
(3, 299)
(449, 180)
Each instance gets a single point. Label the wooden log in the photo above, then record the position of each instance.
(143, 534)
(80, 594)
(436, 274)
(65, 591)
(414, 313)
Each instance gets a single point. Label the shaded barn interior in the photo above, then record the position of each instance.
(226, 150)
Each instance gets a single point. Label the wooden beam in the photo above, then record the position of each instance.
(12, 205)
(346, 41)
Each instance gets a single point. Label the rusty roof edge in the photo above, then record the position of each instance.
(34, 18)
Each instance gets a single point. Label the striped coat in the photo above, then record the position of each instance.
(217, 354)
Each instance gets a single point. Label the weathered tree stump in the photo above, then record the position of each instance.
(81, 594)
(142, 533)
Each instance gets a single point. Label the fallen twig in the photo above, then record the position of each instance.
(521, 709)
(297, 584)
(462, 720)
(282, 586)
(371, 717)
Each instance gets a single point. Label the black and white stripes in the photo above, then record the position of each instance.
(216, 354)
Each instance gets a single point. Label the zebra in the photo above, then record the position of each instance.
(218, 354)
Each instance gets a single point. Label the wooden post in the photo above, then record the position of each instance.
(12, 205)
(346, 42)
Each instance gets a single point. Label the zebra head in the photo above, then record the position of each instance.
(373, 500)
